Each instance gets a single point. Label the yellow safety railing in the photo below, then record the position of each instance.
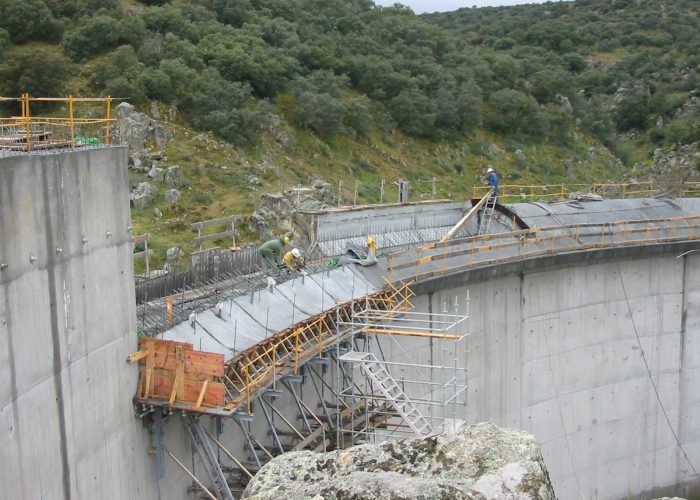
(435, 259)
(286, 351)
(562, 191)
(26, 132)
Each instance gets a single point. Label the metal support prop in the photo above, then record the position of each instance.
(251, 446)
(287, 381)
(268, 417)
(194, 478)
(206, 454)
(320, 397)
(160, 458)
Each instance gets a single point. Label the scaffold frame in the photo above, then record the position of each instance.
(439, 389)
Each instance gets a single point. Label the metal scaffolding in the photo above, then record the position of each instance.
(393, 395)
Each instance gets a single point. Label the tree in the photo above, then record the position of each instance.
(548, 83)
(224, 108)
(511, 111)
(415, 113)
(632, 111)
(321, 113)
(28, 20)
(38, 71)
(98, 33)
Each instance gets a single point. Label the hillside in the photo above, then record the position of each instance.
(256, 96)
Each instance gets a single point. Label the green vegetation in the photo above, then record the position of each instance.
(368, 93)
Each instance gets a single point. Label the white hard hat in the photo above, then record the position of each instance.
(296, 252)
(489, 170)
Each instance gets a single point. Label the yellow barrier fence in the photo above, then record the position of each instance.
(90, 126)
(434, 259)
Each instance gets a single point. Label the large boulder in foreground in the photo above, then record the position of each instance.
(481, 461)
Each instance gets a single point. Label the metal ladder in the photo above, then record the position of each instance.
(208, 457)
(487, 215)
(382, 379)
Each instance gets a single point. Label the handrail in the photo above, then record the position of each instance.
(27, 132)
(259, 365)
(563, 190)
(517, 245)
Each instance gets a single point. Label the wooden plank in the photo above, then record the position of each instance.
(150, 362)
(137, 355)
(140, 238)
(201, 394)
(211, 222)
(146, 388)
(173, 393)
(180, 370)
(213, 236)
(468, 216)
(196, 363)
(141, 255)
(191, 390)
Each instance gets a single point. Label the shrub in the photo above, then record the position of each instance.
(28, 20)
(512, 111)
(632, 111)
(95, 34)
(321, 113)
(39, 71)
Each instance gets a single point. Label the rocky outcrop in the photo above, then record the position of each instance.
(133, 126)
(143, 195)
(280, 211)
(481, 461)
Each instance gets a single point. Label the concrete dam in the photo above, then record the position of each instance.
(576, 321)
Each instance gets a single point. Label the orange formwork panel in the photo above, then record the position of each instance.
(173, 373)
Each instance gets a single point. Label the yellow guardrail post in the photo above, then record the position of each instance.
(108, 139)
(296, 351)
(27, 120)
(274, 367)
(247, 386)
(71, 120)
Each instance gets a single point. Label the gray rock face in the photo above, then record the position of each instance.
(143, 195)
(173, 177)
(173, 254)
(481, 461)
(133, 126)
(172, 195)
(157, 174)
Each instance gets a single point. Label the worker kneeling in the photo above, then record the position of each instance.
(293, 261)
(270, 252)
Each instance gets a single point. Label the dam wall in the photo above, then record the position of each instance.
(67, 323)
(598, 357)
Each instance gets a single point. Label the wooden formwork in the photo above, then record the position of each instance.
(173, 373)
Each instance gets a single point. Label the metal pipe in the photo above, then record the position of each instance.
(187, 471)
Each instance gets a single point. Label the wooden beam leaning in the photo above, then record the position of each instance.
(468, 216)
(201, 394)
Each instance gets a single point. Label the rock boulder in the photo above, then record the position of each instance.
(481, 461)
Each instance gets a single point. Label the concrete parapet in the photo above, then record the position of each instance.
(67, 323)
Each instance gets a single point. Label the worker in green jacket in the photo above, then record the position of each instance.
(271, 250)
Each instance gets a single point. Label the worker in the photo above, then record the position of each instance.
(493, 181)
(371, 251)
(293, 260)
(271, 250)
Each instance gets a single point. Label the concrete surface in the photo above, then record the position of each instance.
(559, 353)
(67, 323)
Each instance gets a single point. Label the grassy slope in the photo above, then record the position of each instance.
(216, 173)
